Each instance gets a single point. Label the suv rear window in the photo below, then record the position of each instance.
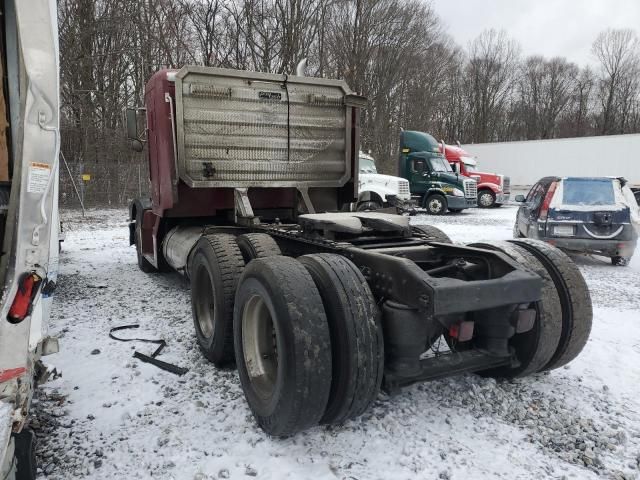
(587, 191)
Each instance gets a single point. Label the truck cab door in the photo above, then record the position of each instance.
(419, 175)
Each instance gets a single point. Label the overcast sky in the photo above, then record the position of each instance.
(548, 27)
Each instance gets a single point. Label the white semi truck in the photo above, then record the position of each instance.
(29, 146)
(374, 188)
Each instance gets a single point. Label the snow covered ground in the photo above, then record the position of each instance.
(110, 416)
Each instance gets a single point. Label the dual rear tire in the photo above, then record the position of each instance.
(305, 334)
(563, 314)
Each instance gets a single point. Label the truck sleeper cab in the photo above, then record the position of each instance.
(435, 185)
(318, 309)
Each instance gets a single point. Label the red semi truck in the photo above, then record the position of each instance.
(319, 309)
(493, 189)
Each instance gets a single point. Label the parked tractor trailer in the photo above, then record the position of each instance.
(435, 186)
(320, 309)
(493, 189)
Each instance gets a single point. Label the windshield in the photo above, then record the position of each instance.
(440, 165)
(587, 191)
(469, 163)
(367, 165)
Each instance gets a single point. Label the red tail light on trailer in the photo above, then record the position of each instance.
(21, 306)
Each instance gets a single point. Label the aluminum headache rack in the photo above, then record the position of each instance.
(248, 129)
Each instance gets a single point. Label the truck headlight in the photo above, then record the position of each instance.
(456, 192)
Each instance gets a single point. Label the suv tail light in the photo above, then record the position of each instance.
(544, 210)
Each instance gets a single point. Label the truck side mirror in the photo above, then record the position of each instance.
(131, 119)
(520, 198)
(132, 124)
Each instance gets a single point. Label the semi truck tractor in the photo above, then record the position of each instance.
(433, 183)
(29, 144)
(376, 190)
(319, 310)
(493, 189)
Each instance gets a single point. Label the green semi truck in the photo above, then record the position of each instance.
(433, 183)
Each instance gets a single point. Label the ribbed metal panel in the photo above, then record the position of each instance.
(470, 189)
(506, 185)
(247, 129)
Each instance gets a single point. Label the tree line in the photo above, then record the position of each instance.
(395, 52)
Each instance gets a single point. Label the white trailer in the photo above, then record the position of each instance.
(29, 147)
(528, 161)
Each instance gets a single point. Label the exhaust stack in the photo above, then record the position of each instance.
(301, 67)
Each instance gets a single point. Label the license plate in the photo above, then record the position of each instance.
(563, 230)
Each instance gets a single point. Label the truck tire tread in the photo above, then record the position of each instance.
(577, 311)
(356, 335)
(546, 335)
(431, 232)
(25, 455)
(304, 346)
(223, 250)
(257, 245)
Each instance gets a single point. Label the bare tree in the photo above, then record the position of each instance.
(618, 52)
(490, 75)
(395, 52)
(544, 90)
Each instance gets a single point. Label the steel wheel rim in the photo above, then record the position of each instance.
(259, 346)
(205, 304)
(435, 205)
(486, 199)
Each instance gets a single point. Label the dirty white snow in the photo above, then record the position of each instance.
(110, 416)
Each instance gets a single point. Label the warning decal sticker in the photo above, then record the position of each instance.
(38, 177)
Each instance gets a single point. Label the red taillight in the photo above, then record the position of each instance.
(21, 305)
(462, 331)
(544, 210)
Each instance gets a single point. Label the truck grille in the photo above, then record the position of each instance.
(506, 185)
(403, 188)
(470, 189)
